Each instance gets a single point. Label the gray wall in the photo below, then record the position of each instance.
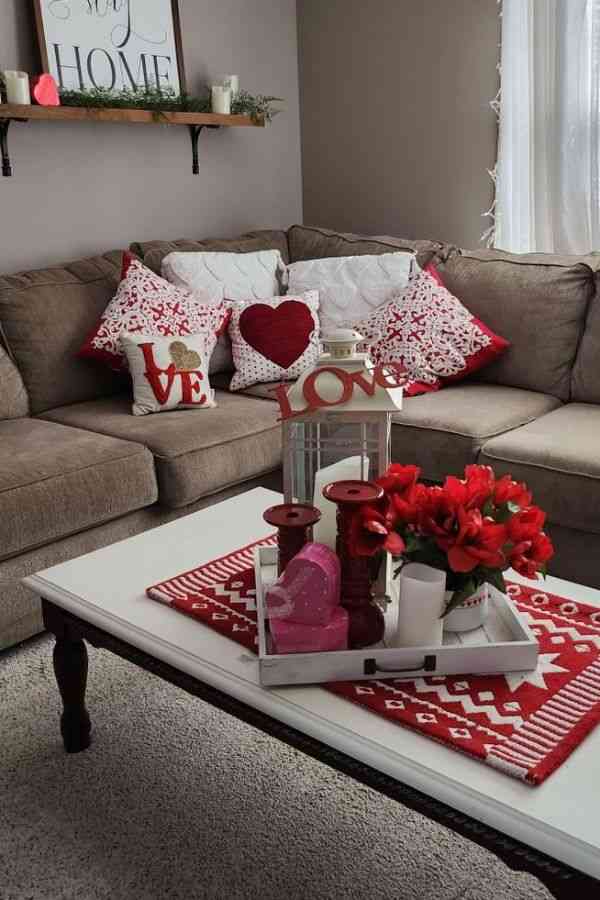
(81, 188)
(396, 126)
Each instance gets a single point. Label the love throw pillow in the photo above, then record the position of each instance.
(168, 372)
(427, 329)
(275, 339)
(147, 304)
(351, 287)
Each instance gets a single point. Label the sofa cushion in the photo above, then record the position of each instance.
(558, 456)
(585, 381)
(46, 315)
(197, 452)
(13, 396)
(222, 381)
(443, 432)
(56, 481)
(538, 302)
(153, 252)
(307, 242)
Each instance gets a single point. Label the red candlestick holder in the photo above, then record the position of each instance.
(294, 523)
(367, 625)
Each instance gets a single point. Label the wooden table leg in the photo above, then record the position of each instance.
(70, 668)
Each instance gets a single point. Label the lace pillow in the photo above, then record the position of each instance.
(429, 331)
(147, 304)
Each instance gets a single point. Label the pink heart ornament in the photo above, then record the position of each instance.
(45, 91)
(308, 592)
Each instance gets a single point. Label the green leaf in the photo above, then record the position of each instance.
(495, 577)
(460, 596)
(489, 509)
(504, 513)
(413, 542)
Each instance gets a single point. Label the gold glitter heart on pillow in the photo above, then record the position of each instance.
(186, 360)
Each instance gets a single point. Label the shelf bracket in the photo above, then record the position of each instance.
(6, 166)
(195, 132)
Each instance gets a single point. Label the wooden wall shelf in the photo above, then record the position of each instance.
(195, 122)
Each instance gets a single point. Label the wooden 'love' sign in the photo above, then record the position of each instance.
(390, 377)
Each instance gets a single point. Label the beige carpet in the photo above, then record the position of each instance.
(176, 801)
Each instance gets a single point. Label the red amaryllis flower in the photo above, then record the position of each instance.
(508, 491)
(479, 542)
(409, 505)
(399, 479)
(529, 557)
(372, 529)
(472, 491)
(437, 513)
(525, 525)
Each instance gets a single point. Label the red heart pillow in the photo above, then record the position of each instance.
(274, 340)
(281, 333)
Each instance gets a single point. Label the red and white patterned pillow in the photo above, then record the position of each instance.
(427, 329)
(274, 340)
(147, 304)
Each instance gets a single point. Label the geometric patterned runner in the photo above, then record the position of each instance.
(525, 723)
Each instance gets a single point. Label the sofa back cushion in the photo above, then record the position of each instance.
(153, 252)
(537, 301)
(13, 397)
(585, 382)
(46, 316)
(308, 242)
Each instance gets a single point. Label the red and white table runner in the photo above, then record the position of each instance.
(525, 724)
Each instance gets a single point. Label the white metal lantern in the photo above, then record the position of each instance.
(339, 440)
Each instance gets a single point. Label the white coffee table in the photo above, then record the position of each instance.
(101, 598)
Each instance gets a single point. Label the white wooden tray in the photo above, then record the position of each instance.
(503, 644)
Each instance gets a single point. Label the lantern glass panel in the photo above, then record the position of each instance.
(318, 442)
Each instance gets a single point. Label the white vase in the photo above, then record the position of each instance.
(420, 606)
(470, 614)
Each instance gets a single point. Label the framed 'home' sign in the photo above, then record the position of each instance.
(115, 44)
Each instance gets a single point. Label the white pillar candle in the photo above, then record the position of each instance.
(233, 83)
(221, 99)
(325, 531)
(421, 603)
(17, 88)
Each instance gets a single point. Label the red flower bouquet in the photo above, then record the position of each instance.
(473, 528)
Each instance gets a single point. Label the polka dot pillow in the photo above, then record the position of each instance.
(274, 340)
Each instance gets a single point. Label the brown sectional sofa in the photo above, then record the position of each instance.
(78, 471)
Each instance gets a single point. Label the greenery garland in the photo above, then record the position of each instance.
(260, 107)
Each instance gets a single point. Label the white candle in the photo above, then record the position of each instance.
(233, 83)
(420, 605)
(221, 99)
(17, 88)
(325, 531)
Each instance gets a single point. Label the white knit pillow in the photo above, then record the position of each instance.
(351, 287)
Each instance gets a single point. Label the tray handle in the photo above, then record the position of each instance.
(428, 665)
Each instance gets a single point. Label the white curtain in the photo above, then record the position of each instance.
(548, 171)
